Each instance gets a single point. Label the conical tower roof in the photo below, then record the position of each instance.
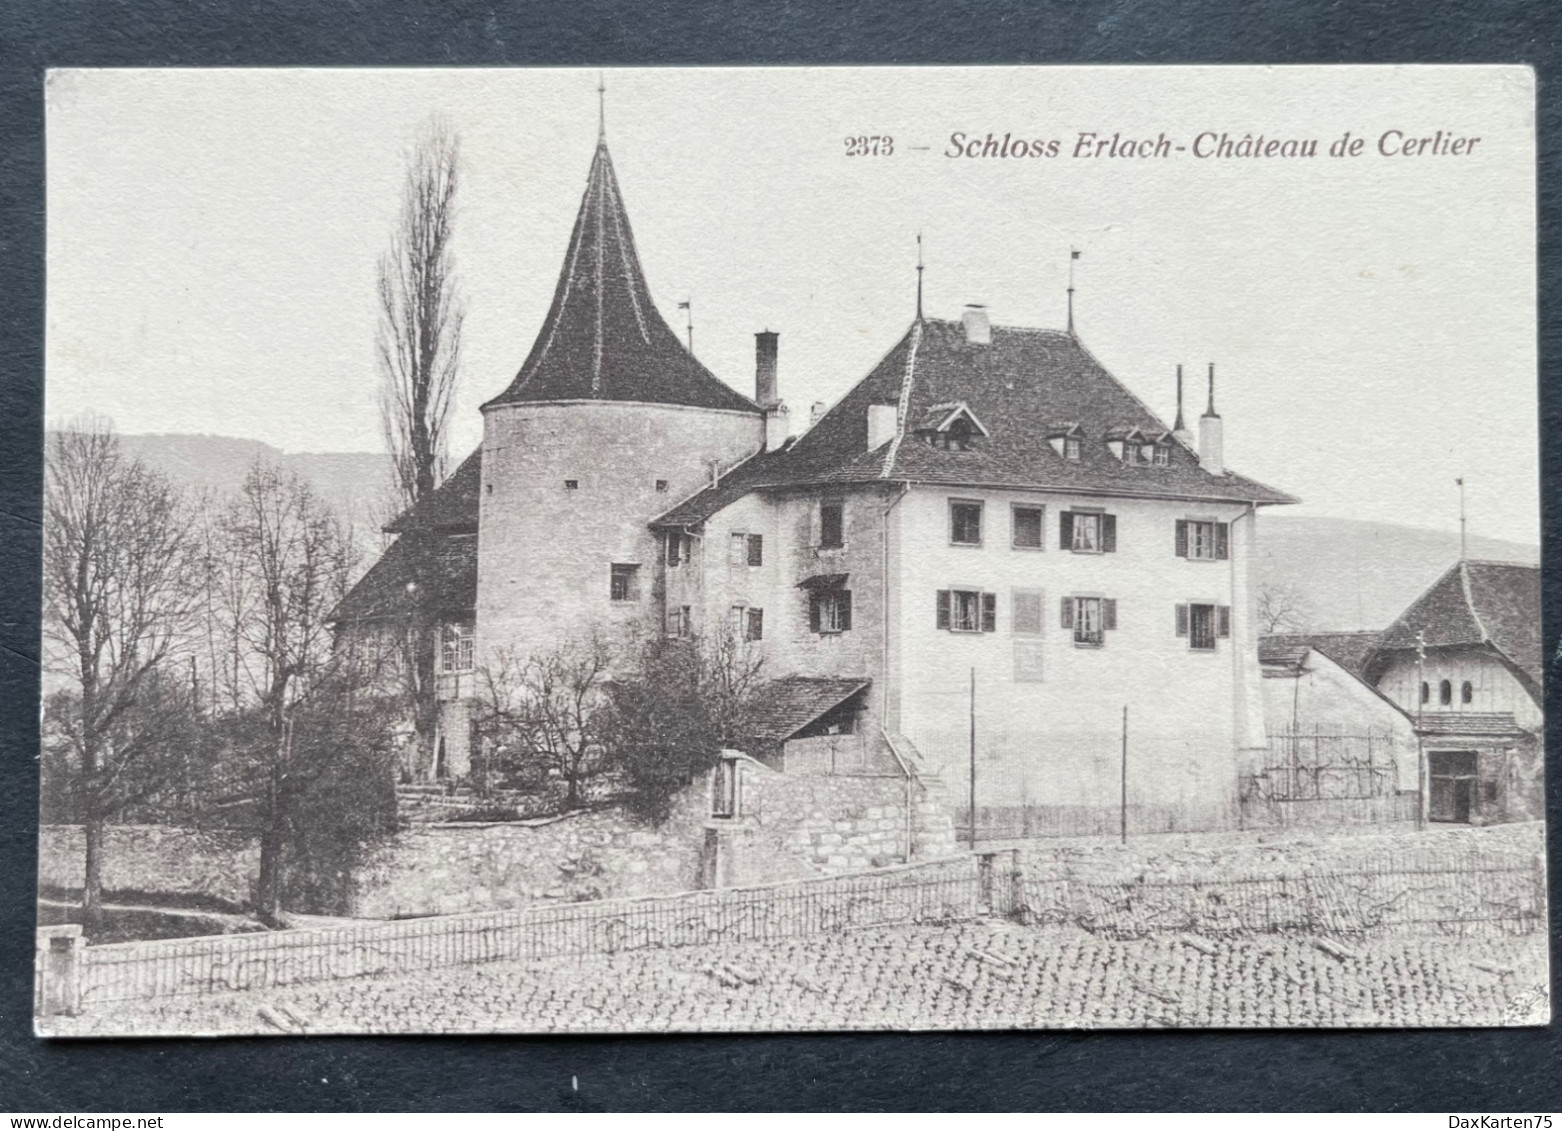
(603, 338)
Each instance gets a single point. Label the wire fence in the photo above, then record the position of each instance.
(1438, 890)
(935, 892)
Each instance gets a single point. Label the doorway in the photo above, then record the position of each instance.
(1452, 797)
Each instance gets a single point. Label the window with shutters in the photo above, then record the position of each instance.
(965, 522)
(1203, 540)
(831, 526)
(746, 623)
(1203, 624)
(680, 622)
(1025, 614)
(967, 610)
(1090, 618)
(1087, 532)
(680, 548)
(1027, 524)
(830, 611)
(746, 549)
(624, 583)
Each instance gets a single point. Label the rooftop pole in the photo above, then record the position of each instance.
(1464, 549)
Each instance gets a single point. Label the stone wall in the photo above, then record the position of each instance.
(155, 859)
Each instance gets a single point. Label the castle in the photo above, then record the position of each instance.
(989, 548)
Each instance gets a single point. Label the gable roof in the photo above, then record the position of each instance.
(1477, 603)
(785, 706)
(603, 338)
(452, 507)
(1351, 650)
(1021, 385)
(382, 592)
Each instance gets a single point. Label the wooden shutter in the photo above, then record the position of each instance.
(1182, 620)
(1222, 541)
(1108, 613)
(756, 549)
(1182, 537)
(943, 608)
(843, 616)
(989, 612)
(756, 624)
(1222, 620)
(1065, 530)
(813, 611)
(1068, 612)
(1109, 534)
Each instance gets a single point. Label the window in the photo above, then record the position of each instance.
(1091, 618)
(1162, 455)
(1203, 540)
(956, 438)
(679, 622)
(724, 789)
(455, 648)
(830, 526)
(1445, 693)
(830, 611)
(624, 584)
(967, 610)
(1071, 447)
(1466, 693)
(965, 522)
(572, 484)
(1088, 532)
(1027, 525)
(1203, 624)
(746, 549)
(746, 623)
(1025, 619)
(680, 548)
(1146, 454)
(1426, 692)
(661, 486)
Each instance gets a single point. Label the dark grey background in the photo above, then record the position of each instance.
(1474, 1071)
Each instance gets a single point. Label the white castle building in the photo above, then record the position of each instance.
(988, 534)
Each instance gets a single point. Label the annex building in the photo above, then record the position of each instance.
(988, 548)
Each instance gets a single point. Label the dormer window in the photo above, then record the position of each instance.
(1065, 439)
(952, 427)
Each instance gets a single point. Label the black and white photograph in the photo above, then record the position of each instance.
(677, 550)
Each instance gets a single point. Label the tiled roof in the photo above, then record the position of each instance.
(1351, 650)
(1482, 724)
(603, 338)
(785, 706)
(1495, 604)
(452, 507)
(1020, 386)
(382, 592)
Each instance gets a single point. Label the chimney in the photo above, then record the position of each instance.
(1180, 430)
(765, 394)
(815, 413)
(978, 332)
(1211, 440)
(778, 426)
(882, 424)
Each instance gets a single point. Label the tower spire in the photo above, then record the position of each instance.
(601, 108)
(920, 269)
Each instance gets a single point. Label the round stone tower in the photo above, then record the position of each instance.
(610, 421)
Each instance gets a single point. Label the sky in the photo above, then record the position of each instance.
(213, 238)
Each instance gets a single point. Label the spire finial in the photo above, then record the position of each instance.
(1072, 256)
(920, 269)
(1179, 426)
(601, 108)
(1211, 410)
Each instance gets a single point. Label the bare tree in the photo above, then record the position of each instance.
(284, 562)
(1283, 607)
(121, 583)
(421, 313)
(546, 709)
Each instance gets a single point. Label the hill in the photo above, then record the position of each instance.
(1357, 574)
